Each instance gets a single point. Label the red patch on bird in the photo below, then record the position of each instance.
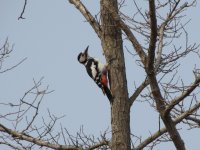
(104, 80)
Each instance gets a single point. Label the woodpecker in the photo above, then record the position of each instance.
(97, 71)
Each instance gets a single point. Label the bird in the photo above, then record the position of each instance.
(97, 71)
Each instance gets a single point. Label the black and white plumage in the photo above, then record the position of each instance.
(96, 70)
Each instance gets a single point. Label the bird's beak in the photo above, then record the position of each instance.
(86, 50)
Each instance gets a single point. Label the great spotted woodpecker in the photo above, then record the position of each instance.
(97, 71)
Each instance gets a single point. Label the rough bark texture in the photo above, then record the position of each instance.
(150, 70)
(113, 49)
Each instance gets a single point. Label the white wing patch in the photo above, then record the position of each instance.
(101, 66)
(94, 71)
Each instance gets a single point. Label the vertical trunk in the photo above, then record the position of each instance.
(113, 50)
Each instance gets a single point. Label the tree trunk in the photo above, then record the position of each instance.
(113, 49)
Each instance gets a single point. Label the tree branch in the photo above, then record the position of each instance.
(153, 36)
(97, 145)
(23, 136)
(186, 93)
(11, 146)
(164, 130)
(8, 69)
(138, 91)
(23, 10)
(79, 5)
(195, 120)
(5, 50)
(129, 34)
(172, 14)
(160, 105)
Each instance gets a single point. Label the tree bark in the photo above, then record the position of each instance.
(150, 70)
(113, 49)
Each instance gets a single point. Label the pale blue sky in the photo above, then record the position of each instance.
(51, 37)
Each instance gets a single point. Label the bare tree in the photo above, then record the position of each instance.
(160, 25)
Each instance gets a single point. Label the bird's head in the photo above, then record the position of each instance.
(83, 56)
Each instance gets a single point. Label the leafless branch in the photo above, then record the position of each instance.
(153, 36)
(8, 69)
(79, 5)
(23, 10)
(87, 142)
(185, 93)
(164, 130)
(138, 91)
(129, 34)
(23, 136)
(196, 122)
(46, 137)
(5, 51)
(11, 145)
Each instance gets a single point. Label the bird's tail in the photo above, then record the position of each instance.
(108, 94)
